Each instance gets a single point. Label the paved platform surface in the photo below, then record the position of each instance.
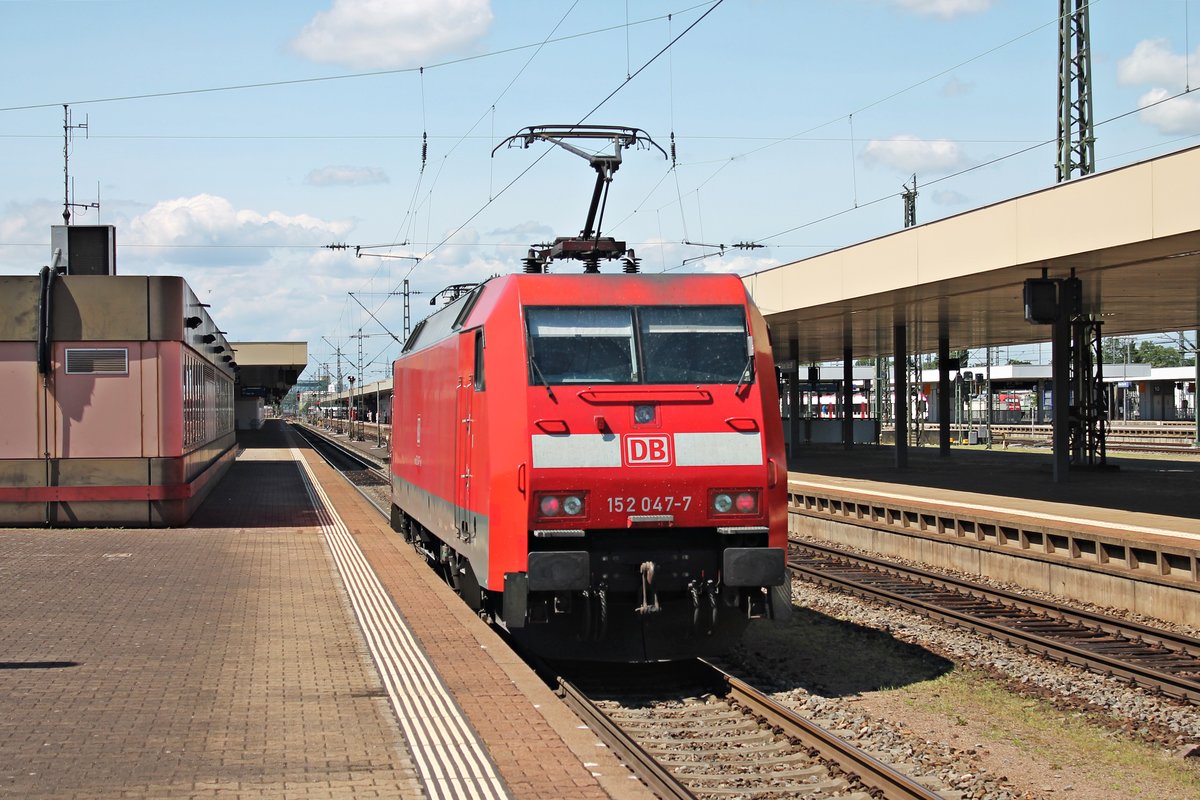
(1152, 493)
(224, 660)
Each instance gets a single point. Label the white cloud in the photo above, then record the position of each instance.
(1152, 63)
(382, 34)
(224, 234)
(25, 232)
(946, 9)
(1175, 117)
(345, 176)
(910, 154)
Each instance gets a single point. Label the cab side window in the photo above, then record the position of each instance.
(479, 347)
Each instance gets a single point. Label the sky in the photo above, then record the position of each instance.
(232, 142)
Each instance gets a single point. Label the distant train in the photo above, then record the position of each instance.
(597, 461)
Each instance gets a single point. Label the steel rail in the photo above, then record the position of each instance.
(877, 776)
(1171, 685)
(641, 763)
(368, 463)
(1146, 633)
(317, 441)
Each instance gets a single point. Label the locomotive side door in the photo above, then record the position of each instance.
(469, 346)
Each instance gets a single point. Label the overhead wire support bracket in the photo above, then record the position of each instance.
(359, 248)
(721, 248)
(385, 327)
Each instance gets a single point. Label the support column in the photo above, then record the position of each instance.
(900, 387)
(794, 422)
(943, 396)
(1060, 365)
(847, 396)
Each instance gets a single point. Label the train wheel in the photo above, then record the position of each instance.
(465, 583)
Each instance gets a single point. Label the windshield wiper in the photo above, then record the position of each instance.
(746, 374)
(542, 378)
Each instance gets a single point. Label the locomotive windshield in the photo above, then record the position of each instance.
(642, 344)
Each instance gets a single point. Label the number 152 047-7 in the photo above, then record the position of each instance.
(645, 505)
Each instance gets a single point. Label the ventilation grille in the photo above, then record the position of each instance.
(114, 361)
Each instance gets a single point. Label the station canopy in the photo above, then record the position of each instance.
(269, 369)
(1131, 235)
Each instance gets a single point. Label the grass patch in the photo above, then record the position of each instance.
(1037, 728)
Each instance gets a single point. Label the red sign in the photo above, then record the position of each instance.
(645, 451)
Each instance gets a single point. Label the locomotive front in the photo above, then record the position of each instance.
(655, 486)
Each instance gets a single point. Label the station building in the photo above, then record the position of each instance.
(121, 394)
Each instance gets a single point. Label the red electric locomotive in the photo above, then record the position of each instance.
(597, 461)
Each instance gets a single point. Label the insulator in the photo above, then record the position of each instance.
(630, 263)
(424, 148)
(672, 148)
(533, 264)
(591, 263)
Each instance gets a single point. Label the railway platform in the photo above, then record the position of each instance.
(1127, 536)
(285, 644)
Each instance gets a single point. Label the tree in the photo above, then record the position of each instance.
(1116, 350)
(1120, 350)
(1158, 355)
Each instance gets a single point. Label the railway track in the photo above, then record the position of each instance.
(711, 735)
(364, 473)
(1152, 658)
(1165, 437)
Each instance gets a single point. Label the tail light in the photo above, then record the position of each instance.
(733, 501)
(558, 505)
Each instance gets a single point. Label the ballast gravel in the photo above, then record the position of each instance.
(953, 770)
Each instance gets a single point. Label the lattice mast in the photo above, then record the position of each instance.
(1076, 137)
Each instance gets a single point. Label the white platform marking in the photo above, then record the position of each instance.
(449, 758)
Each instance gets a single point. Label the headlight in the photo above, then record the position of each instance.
(734, 501)
(561, 504)
(643, 414)
(550, 506)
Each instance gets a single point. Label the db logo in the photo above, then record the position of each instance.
(641, 451)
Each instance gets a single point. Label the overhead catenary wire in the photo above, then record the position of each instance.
(972, 168)
(348, 76)
(461, 139)
(410, 216)
(581, 120)
(724, 162)
(928, 182)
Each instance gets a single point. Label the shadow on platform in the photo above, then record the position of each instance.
(1165, 485)
(263, 489)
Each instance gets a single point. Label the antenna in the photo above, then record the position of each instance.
(68, 136)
